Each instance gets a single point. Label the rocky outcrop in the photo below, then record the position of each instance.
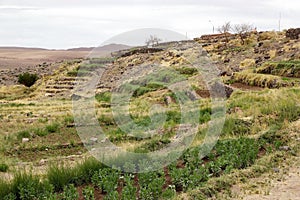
(293, 33)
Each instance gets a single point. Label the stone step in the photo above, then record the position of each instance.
(70, 87)
(56, 91)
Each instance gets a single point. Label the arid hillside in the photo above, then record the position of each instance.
(255, 154)
(17, 60)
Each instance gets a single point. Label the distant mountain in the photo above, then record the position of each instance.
(105, 48)
(23, 48)
(12, 57)
(81, 49)
(112, 47)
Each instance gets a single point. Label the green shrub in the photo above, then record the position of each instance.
(3, 167)
(28, 79)
(52, 128)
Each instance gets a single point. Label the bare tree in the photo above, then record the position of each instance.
(225, 29)
(152, 40)
(243, 31)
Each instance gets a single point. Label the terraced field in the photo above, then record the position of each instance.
(43, 157)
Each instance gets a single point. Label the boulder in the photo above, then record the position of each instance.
(293, 33)
(284, 148)
(168, 100)
(25, 140)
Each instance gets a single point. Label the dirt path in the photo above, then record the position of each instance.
(281, 184)
(286, 189)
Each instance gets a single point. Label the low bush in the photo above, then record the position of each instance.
(3, 167)
(28, 79)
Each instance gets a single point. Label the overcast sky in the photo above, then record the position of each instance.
(76, 23)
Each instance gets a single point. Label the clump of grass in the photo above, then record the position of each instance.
(3, 167)
(106, 120)
(103, 97)
(61, 175)
(283, 68)
(5, 188)
(52, 128)
(40, 132)
(23, 134)
(27, 186)
(233, 126)
(150, 87)
(174, 116)
(188, 71)
(153, 145)
(102, 60)
(205, 114)
(78, 72)
(68, 119)
(260, 80)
